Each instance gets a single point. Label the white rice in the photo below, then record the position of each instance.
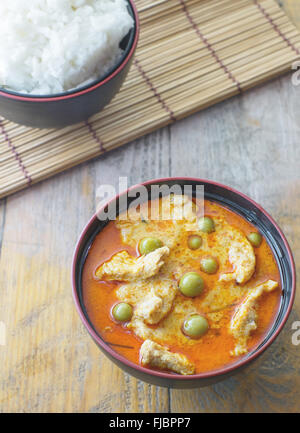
(51, 46)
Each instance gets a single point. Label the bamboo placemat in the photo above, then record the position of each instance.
(191, 54)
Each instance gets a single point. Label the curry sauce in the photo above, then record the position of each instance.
(218, 302)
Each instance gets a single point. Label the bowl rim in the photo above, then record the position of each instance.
(170, 376)
(86, 89)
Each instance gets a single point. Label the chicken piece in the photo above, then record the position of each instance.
(245, 317)
(154, 355)
(176, 212)
(124, 267)
(169, 328)
(158, 303)
(149, 309)
(242, 256)
(184, 209)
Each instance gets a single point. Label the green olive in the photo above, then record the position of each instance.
(209, 265)
(191, 284)
(255, 239)
(206, 224)
(147, 245)
(195, 326)
(194, 242)
(122, 312)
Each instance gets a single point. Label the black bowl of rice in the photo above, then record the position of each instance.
(63, 61)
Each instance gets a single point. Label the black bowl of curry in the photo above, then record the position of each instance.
(183, 289)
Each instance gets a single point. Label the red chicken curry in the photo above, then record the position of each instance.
(186, 297)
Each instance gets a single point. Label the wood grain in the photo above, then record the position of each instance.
(49, 363)
(292, 8)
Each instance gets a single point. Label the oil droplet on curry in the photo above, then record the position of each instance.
(199, 297)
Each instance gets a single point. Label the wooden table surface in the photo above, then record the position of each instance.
(49, 363)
